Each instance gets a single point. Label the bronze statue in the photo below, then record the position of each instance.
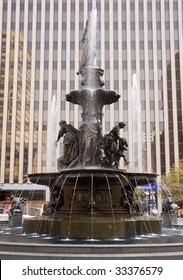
(88, 55)
(90, 145)
(89, 71)
(127, 202)
(71, 144)
(16, 204)
(56, 201)
(114, 146)
(169, 205)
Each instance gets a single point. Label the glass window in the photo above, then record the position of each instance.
(54, 84)
(46, 65)
(159, 64)
(176, 45)
(175, 5)
(150, 45)
(150, 25)
(55, 26)
(124, 45)
(21, 6)
(124, 25)
(64, 25)
(141, 25)
(150, 64)
(132, 25)
(166, 5)
(124, 64)
(55, 43)
(133, 64)
(45, 84)
(12, 25)
(142, 64)
(46, 45)
(142, 84)
(151, 84)
(168, 44)
(124, 84)
(132, 45)
(141, 45)
(149, 6)
(115, 64)
(36, 84)
(159, 45)
(167, 25)
(46, 35)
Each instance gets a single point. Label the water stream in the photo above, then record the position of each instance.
(136, 162)
(71, 208)
(51, 137)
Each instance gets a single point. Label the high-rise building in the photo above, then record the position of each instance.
(140, 49)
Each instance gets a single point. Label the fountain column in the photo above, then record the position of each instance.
(91, 98)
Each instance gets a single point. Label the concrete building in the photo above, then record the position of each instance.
(139, 47)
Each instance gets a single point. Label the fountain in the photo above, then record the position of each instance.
(90, 196)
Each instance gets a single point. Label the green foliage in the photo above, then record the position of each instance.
(174, 182)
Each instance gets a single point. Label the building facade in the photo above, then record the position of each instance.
(140, 49)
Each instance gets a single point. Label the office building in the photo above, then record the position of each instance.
(140, 49)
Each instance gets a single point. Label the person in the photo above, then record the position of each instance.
(178, 214)
(111, 141)
(16, 204)
(168, 203)
(154, 211)
(71, 144)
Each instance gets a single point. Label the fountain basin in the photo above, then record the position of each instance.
(100, 97)
(112, 174)
(97, 228)
(93, 204)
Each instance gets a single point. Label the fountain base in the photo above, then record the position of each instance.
(91, 203)
(97, 228)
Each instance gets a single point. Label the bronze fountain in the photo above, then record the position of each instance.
(90, 197)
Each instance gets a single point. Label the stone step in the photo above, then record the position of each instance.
(11, 250)
(5, 255)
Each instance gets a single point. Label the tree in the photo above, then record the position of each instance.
(174, 182)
